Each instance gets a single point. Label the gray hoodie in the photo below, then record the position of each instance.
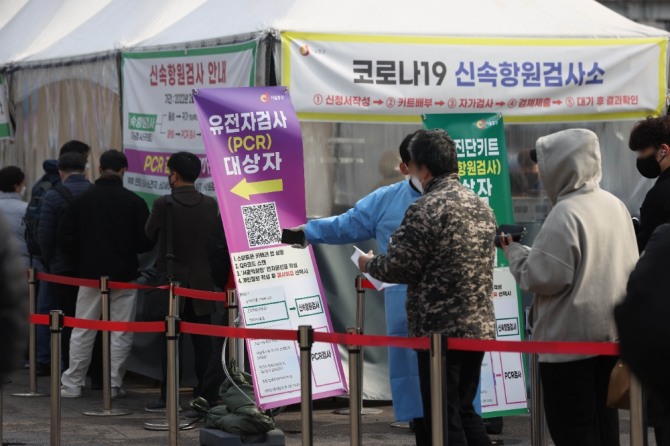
(580, 261)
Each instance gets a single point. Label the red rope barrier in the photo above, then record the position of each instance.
(475, 345)
(62, 280)
(199, 294)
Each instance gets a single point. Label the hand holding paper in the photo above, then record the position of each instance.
(360, 259)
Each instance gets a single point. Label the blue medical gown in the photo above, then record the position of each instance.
(378, 215)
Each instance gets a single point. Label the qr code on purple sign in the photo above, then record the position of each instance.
(261, 224)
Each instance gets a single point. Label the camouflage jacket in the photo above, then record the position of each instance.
(444, 251)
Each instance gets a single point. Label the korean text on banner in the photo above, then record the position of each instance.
(254, 147)
(158, 115)
(482, 167)
(5, 131)
(397, 78)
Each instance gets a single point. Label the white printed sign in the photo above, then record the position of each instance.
(396, 78)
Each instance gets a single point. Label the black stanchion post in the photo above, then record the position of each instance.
(233, 354)
(438, 388)
(172, 401)
(56, 328)
(355, 391)
(107, 410)
(305, 341)
(32, 338)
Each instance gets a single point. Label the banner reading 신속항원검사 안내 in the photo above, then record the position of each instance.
(482, 167)
(158, 115)
(254, 147)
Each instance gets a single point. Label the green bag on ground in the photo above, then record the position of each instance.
(238, 414)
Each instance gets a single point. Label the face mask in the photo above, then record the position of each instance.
(23, 191)
(648, 166)
(416, 183)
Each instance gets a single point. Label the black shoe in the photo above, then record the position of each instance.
(157, 406)
(43, 369)
(193, 414)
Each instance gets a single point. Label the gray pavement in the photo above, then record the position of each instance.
(26, 420)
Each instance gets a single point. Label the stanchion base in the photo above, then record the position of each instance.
(162, 425)
(107, 413)
(400, 424)
(364, 411)
(29, 394)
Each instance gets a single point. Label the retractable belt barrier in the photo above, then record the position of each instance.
(305, 336)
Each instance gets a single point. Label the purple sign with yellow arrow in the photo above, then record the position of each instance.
(254, 147)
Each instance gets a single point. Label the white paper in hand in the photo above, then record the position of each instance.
(378, 284)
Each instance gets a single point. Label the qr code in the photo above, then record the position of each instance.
(261, 224)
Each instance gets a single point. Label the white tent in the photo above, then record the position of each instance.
(61, 60)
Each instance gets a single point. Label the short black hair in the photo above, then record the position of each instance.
(436, 150)
(75, 146)
(71, 162)
(650, 132)
(186, 164)
(404, 147)
(113, 160)
(10, 177)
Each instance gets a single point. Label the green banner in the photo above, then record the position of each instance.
(482, 159)
(482, 167)
(5, 131)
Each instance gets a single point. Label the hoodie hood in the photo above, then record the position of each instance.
(50, 166)
(569, 162)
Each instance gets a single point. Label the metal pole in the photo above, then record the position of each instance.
(638, 433)
(360, 323)
(107, 410)
(355, 391)
(56, 328)
(172, 397)
(438, 388)
(172, 390)
(538, 421)
(305, 341)
(32, 338)
(232, 317)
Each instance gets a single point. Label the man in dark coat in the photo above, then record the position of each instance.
(195, 217)
(103, 231)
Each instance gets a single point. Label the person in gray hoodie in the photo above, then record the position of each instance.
(577, 269)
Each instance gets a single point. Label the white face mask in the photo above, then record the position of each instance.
(416, 183)
(23, 191)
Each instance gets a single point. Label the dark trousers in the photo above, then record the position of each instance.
(575, 398)
(465, 426)
(202, 350)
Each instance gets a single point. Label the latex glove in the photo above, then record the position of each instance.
(300, 228)
(505, 242)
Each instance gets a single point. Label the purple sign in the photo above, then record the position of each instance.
(254, 147)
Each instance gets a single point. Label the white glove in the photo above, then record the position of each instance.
(305, 243)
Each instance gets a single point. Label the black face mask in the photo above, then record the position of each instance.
(648, 166)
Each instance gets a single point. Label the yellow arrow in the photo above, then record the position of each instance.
(245, 190)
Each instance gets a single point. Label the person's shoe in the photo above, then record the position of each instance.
(69, 392)
(157, 406)
(118, 392)
(43, 369)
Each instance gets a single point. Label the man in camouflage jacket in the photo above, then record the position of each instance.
(444, 251)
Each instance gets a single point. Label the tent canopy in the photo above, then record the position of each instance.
(50, 30)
